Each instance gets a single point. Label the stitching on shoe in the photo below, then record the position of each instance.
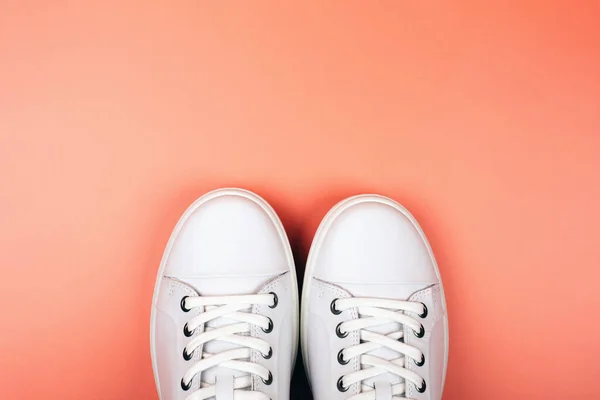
(336, 291)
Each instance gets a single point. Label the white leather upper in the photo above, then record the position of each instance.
(229, 242)
(285, 320)
(433, 344)
(169, 338)
(322, 367)
(226, 242)
(378, 238)
(370, 246)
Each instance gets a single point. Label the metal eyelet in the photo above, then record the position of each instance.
(185, 386)
(182, 304)
(340, 385)
(421, 332)
(340, 358)
(339, 332)
(334, 310)
(186, 331)
(275, 300)
(425, 312)
(187, 356)
(269, 354)
(422, 388)
(269, 379)
(269, 328)
(421, 362)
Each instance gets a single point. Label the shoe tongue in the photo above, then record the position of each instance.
(224, 286)
(212, 375)
(386, 291)
(383, 390)
(385, 353)
(224, 387)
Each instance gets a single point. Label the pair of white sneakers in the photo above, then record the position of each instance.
(225, 309)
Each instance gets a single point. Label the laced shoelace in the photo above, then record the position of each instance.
(233, 308)
(374, 312)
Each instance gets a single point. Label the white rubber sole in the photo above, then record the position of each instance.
(318, 241)
(284, 240)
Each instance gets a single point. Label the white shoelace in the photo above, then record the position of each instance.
(229, 307)
(374, 312)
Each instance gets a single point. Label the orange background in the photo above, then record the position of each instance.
(481, 117)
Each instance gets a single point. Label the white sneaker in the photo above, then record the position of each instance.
(224, 315)
(374, 324)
